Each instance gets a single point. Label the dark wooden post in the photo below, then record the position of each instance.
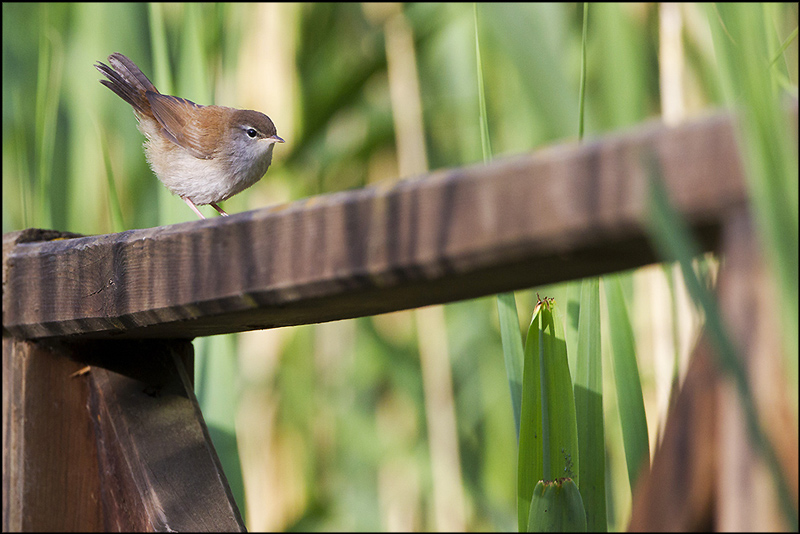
(119, 446)
(51, 479)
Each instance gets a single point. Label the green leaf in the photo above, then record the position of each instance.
(512, 349)
(589, 408)
(629, 388)
(530, 467)
(548, 443)
(556, 507)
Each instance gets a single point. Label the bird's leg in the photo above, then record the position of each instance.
(220, 210)
(194, 208)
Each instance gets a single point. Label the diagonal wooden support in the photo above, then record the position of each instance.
(121, 447)
(677, 494)
(707, 474)
(747, 495)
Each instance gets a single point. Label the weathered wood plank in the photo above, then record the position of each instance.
(158, 468)
(561, 213)
(707, 473)
(678, 494)
(50, 476)
(748, 303)
(120, 448)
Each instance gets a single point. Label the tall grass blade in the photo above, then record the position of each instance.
(770, 152)
(512, 350)
(582, 97)
(530, 466)
(629, 387)
(168, 207)
(27, 184)
(158, 42)
(589, 408)
(506, 303)
(48, 97)
(117, 222)
(486, 144)
(784, 46)
(588, 385)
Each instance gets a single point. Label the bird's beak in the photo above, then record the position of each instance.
(276, 139)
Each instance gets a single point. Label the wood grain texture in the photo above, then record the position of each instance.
(157, 465)
(50, 476)
(122, 447)
(561, 213)
(677, 495)
(747, 498)
(707, 474)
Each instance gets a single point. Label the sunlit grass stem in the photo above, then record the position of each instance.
(506, 302)
(582, 97)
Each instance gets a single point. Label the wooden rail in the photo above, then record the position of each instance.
(561, 213)
(124, 445)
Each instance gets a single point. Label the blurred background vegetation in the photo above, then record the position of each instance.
(355, 425)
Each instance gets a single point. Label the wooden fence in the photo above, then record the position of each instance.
(124, 446)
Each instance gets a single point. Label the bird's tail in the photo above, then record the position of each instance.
(128, 81)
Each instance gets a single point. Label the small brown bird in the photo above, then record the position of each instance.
(203, 154)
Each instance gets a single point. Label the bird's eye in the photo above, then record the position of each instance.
(252, 133)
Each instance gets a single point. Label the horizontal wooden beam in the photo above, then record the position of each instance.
(560, 213)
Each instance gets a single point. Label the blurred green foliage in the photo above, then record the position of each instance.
(324, 427)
